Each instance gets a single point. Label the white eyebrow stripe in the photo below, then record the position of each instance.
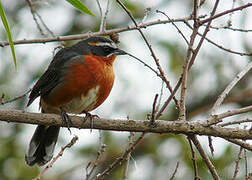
(113, 45)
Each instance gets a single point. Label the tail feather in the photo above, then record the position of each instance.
(42, 145)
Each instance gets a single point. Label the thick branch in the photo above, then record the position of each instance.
(160, 126)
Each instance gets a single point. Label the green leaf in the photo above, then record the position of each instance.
(6, 26)
(80, 6)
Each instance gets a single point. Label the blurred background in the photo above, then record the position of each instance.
(134, 89)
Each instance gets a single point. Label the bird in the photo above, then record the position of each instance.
(78, 80)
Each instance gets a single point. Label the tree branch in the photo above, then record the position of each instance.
(206, 159)
(161, 71)
(120, 159)
(220, 46)
(237, 164)
(223, 95)
(214, 119)
(240, 143)
(89, 34)
(226, 12)
(160, 126)
(69, 145)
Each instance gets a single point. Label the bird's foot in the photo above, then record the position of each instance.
(91, 118)
(66, 119)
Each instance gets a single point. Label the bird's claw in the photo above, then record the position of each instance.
(66, 119)
(91, 118)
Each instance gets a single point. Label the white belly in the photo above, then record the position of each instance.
(83, 103)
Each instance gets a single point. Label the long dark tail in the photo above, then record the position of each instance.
(42, 145)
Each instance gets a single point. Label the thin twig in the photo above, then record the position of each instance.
(91, 34)
(196, 51)
(179, 31)
(246, 165)
(205, 157)
(182, 108)
(148, 66)
(69, 145)
(214, 119)
(237, 164)
(160, 97)
(239, 98)
(230, 87)
(169, 99)
(120, 159)
(46, 27)
(30, 3)
(195, 168)
(100, 152)
(225, 12)
(153, 113)
(231, 28)
(242, 144)
(106, 15)
(103, 16)
(210, 143)
(150, 49)
(195, 12)
(175, 171)
(126, 165)
(183, 78)
(14, 99)
(34, 14)
(100, 10)
(239, 121)
(219, 46)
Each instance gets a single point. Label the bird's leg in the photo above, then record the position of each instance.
(66, 119)
(90, 117)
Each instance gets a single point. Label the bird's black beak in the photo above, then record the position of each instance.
(119, 52)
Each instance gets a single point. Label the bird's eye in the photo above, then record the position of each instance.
(108, 48)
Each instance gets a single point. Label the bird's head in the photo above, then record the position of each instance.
(103, 47)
